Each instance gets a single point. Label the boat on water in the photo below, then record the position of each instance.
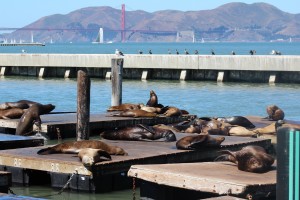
(99, 39)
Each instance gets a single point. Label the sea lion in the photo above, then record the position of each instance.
(193, 129)
(74, 147)
(193, 142)
(172, 112)
(32, 116)
(153, 100)
(124, 107)
(11, 113)
(135, 113)
(274, 113)
(151, 109)
(269, 129)
(23, 104)
(140, 132)
(250, 159)
(237, 120)
(89, 156)
(241, 131)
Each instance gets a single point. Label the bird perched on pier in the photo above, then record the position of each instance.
(213, 52)
(169, 51)
(232, 53)
(252, 52)
(196, 52)
(140, 52)
(177, 52)
(150, 52)
(186, 52)
(119, 53)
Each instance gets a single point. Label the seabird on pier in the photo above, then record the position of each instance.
(232, 53)
(252, 52)
(169, 51)
(177, 52)
(274, 52)
(186, 52)
(150, 52)
(213, 52)
(119, 53)
(196, 52)
(140, 52)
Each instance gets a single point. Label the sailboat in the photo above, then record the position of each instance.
(99, 39)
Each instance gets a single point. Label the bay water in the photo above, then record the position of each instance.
(202, 98)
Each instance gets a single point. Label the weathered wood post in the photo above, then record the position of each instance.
(116, 81)
(83, 105)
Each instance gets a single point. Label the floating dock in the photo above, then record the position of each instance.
(27, 162)
(15, 141)
(219, 178)
(64, 125)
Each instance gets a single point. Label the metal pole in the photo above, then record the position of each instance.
(83, 105)
(288, 156)
(116, 80)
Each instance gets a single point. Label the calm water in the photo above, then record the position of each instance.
(200, 98)
(220, 48)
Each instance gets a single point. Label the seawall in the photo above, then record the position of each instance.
(243, 68)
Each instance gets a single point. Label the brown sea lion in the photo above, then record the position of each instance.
(167, 127)
(23, 104)
(124, 107)
(193, 129)
(140, 132)
(269, 129)
(241, 131)
(135, 113)
(32, 116)
(151, 109)
(250, 159)
(199, 141)
(172, 112)
(89, 156)
(275, 113)
(11, 113)
(237, 120)
(153, 100)
(74, 147)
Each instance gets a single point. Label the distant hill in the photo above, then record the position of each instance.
(229, 22)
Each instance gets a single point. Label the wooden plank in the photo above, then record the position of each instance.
(222, 178)
(15, 141)
(66, 122)
(139, 153)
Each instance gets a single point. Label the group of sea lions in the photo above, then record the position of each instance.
(203, 132)
(151, 109)
(28, 113)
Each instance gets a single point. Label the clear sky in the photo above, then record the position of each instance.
(19, 13)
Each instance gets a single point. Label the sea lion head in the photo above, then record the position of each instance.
(169, 135)
(120, 151)
(89, 156)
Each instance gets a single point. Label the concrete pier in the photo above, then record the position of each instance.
(246, 68)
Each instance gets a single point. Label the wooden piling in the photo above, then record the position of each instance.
(83, 105)
(116, 80)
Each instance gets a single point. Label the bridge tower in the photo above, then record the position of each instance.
(123, 23)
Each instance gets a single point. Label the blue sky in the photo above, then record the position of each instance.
(19, 13)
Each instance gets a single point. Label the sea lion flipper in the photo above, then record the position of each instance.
(148, 128)
(45, 151)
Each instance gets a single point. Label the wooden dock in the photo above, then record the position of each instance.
(221, 178)
(139, 153)
(64, 125)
